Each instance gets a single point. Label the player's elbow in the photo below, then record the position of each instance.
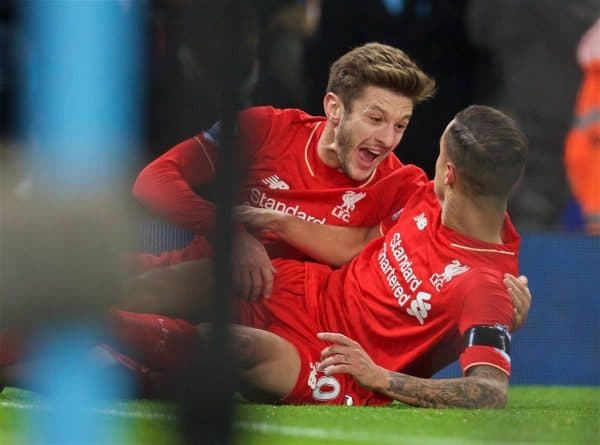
(144, 183)
(350, 248)
(492, 394)
(150, 184)
(140, 186)
(337, 262)
(342, 255)
(488, 387)
(497, 400)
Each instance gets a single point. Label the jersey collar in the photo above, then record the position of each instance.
(314, 164)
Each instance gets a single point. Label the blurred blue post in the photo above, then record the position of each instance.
(82, 92)
(80, 115)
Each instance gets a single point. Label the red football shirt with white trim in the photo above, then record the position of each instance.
(283, 172)
(409, 297)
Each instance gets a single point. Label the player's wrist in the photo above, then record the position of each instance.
(282, 224)
(380, 380)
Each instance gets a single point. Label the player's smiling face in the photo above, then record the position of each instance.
(371, 130)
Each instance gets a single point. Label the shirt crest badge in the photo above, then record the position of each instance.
(349, 200)
(450, 271)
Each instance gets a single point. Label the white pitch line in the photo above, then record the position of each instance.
(318, 433)
(25, 406)
(105, 411)
(349, 436)
(135, 414)
(345, 436)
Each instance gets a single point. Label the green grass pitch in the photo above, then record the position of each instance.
(534, 415)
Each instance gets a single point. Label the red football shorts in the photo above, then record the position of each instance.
(289, 314)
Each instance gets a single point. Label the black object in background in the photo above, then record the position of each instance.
(431, 32)
(221, 36)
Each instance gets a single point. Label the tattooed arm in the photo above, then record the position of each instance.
(484, 386)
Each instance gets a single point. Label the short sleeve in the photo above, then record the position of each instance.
(486, 303)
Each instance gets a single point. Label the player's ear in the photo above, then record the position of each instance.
(333, 107)
(450, 174)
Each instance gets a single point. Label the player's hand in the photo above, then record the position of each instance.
(521, 298)
(258, 220)
(252, 268)
(346, 356)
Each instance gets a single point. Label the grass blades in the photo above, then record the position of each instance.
(534, 415)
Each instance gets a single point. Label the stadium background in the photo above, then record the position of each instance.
(560, 342)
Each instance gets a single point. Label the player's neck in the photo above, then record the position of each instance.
(326, 147)
(471, 218)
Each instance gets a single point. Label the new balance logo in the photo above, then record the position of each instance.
(419, 307)
(274, 182)
(324, 387)
(421, 221)
(450, 271)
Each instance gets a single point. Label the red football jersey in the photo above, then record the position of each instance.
(409, 297)
(283, 172)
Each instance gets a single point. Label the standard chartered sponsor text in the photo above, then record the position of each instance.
(412, 283)
(260, 199)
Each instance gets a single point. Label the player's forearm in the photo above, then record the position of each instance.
(167, 185)
(329, 244)
(167, 194)
(479, 390)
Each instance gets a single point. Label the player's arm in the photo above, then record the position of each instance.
(484, 386)
(166, 185)
(334, 245)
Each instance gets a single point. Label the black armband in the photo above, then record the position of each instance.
(494, 336)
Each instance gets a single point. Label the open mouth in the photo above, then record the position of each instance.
(367, 156)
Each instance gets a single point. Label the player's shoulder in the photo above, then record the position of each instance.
(477, 278)
(401, 175)
(252, 115)
(389, 165)
(484, 297)
(279, 123)
(486, 274)
(274, 115)
(421, 198)
(413, 201)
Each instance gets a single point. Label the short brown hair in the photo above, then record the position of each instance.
(489, 150)
(378, 65)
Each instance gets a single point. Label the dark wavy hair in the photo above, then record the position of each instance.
(489, 150)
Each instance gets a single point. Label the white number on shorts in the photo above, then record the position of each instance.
(331, 386)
